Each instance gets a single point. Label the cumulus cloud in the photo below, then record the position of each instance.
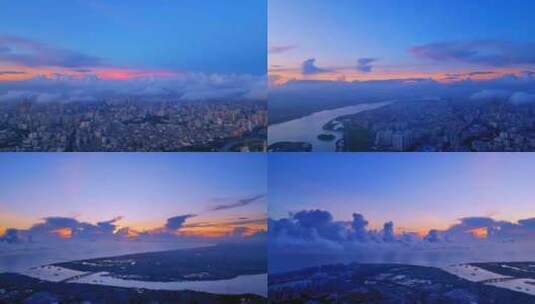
(311, 225)
(312, 237)
(26, 52)
(176, 222)
(239, 203)
(309, 67)
(280, 49)
(483, 52)
(365, 64)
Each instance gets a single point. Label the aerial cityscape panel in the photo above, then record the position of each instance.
(401, 228)
(115, 228)
(416, 75)
(133, 76)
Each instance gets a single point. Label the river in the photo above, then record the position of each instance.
(307, 129)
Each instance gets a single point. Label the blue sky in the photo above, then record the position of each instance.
(337, 33)
(145, 188)
(417, 191)
(208, 36)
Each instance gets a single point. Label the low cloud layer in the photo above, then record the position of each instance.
(186, 86)
(518, 89)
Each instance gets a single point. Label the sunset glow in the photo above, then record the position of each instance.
(134, 196)
(64, 233)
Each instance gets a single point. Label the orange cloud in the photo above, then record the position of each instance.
(64, 233)
(16, 73)
(480, 233)
(280, 76)
(221, 229)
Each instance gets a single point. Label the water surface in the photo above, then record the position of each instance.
(307, 129)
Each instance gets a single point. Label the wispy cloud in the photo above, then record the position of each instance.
(12, 73)
(238, 203)
(482, 52)
(21, 51)
(281, 49)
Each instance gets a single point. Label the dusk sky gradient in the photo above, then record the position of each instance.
(338, 34)
(121, 39)
(416, 191)
(145, 189)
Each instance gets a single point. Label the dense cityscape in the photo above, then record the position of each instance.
(441, 125)
(133, 125)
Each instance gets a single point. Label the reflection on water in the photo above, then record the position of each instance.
(251, 284)
(307, 129)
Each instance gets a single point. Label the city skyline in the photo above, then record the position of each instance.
(144, 193)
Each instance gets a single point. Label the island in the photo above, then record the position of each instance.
(326, 137)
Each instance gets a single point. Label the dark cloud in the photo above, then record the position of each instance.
(309, 225)
(365, 64)
(11, 236)
(483, 52)
(281, 49)
(388, 232)
(109, 226)
(239, 203)
(176, 222)
(51, 225)
(25, 52)
(309, 67)
(12, 73)
(359, 225)
(433, 236)
(528, 223)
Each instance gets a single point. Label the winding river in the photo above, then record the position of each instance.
(307, 129)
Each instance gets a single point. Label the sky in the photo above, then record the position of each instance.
(200, 195)
(417, 192)
(171, 43)
(382, 39)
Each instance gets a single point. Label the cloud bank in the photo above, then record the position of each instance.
(313, 237)
(185, 87)
(57, 228)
